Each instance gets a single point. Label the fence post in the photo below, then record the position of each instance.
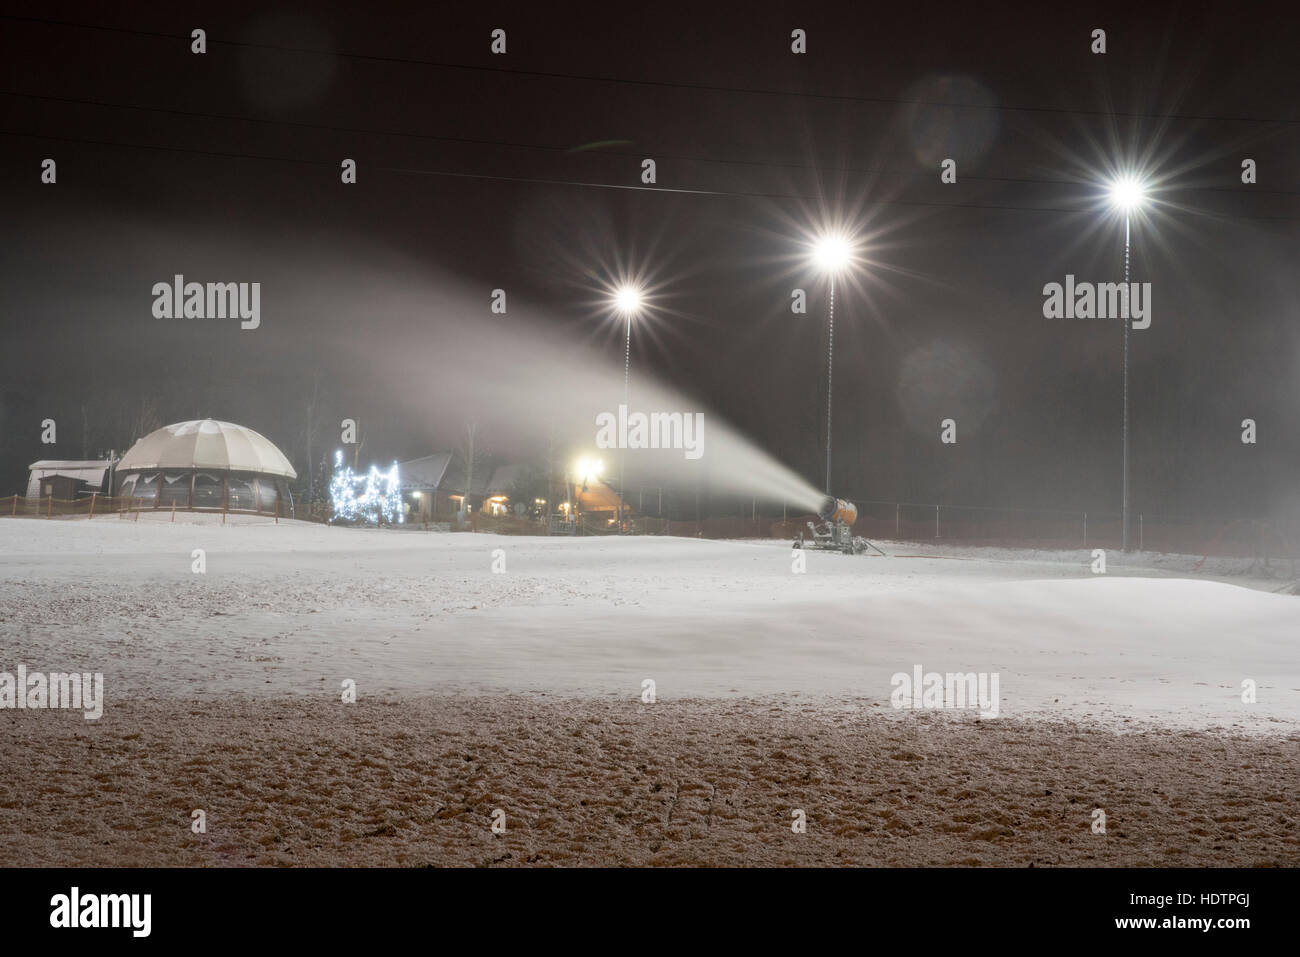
(14, 511)
(173, 511)
(92, 506)
(49, 506)
(1141, 536)
(277, 510)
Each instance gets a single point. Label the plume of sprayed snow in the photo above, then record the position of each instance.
(528, 387)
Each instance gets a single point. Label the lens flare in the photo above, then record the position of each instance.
(832, 252)
(628, 299)
(1127, 193)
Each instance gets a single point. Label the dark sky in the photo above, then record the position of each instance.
(226, 167)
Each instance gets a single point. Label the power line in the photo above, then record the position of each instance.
(460, 174)
(333, 128)
(666, 84)
(165, 149)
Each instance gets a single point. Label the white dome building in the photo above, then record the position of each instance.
(206, 464)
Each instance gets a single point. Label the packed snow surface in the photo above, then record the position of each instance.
(296, 608)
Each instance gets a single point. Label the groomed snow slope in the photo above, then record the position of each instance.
(296, 608)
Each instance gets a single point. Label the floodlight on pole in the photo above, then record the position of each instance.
(585, 470)
(1127, 195)
(831, 254)
(588, 469)
(628, 300)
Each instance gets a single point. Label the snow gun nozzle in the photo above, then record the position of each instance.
(838, 510)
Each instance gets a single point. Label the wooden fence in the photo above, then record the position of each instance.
(99, 506)
(1006, 528)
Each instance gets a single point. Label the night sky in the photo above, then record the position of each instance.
(479, 171)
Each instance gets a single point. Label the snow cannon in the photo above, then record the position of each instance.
(834, 533)
(836, 510)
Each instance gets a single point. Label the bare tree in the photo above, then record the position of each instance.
(356, 449)
(144, 418)
(554, 468)
(312, 424)
(470, 455)
(85, 432)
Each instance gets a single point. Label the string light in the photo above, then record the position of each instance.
(368, 499)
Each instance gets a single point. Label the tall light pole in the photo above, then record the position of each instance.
(627, 300)
(831, 253)
(1126, 195)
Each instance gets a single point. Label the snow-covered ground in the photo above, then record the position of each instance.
(296, 608)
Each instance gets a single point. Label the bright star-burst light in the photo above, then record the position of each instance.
(628, 299)
(588, 469)
(1127, 193)
(832, 252)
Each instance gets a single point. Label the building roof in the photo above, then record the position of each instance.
(444, 471)
(454, 480)
(59, 475)
(425, 472)
(599, 496)
(51, 465)
(207, 444)
(503, 479)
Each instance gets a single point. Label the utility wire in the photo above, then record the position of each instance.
(487, 176)
(665, 84)
(194, 151)
(368, 131)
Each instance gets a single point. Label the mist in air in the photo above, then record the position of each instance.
(544, 391)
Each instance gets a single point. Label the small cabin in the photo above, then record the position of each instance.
(65, 488)
(68, 479)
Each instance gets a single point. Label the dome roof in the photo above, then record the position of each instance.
(207, 444)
